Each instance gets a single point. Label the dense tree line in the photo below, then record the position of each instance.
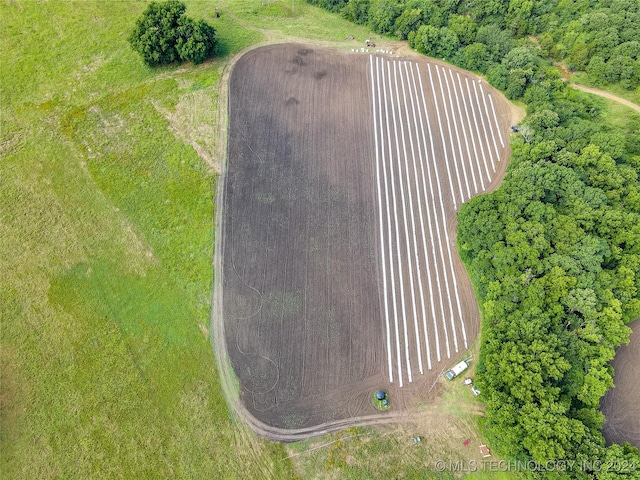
(554, 254)
(601, 37)
(164, 35)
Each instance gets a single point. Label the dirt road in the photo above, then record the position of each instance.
(607, 95)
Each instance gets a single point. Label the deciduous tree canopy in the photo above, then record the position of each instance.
(163, 35)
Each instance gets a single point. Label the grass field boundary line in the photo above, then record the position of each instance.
(391, 263)
(466, 141)
(400, 270)
(414, 125)
(410, 252)
(456, 129)
(425, 198)
(379, 191)
(435, 213)
(217, 337)
(450, 144)
(473, 137)
(484, 127)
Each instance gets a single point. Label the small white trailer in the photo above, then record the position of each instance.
(457, 370)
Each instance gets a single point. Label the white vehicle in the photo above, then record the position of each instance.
(475, 390)
(457, 370)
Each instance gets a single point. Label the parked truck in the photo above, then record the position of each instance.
(457, 370)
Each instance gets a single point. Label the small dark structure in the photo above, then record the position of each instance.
(380, 400)
(515, 128)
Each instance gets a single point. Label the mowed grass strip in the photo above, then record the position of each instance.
(106, 239)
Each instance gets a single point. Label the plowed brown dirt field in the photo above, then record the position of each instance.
(340, 270)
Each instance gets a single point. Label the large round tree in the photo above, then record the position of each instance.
(163, 34)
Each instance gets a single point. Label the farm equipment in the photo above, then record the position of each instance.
(457, 370)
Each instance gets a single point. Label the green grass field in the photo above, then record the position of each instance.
(106, 239)
(618, 116)
(581, 78)
(107, 181)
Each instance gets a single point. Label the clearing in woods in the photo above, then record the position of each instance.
(340, 269)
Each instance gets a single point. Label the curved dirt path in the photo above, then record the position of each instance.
(607, 95)
(566, 74)
(228, 380)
